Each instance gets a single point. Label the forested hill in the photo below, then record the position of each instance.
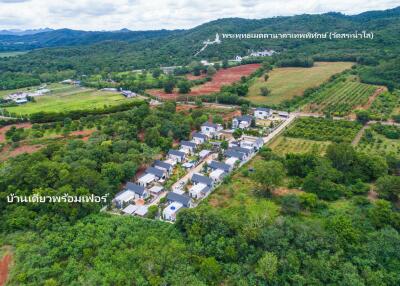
(68, 37)
(133, 50)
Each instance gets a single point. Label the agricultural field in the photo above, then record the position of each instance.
(286, 83)
(284, 145)
(384, 106)
(321, 129)
(374, 141)
(67, 98)
(341, 97)
(221, 78)
(11, 54)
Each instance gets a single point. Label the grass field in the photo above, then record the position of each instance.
(11, 54)
(284, 145)
(341, 97)
(285, 83)
(67, 98)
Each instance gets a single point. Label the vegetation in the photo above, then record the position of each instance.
(284, 145)
(287, 83)
(321, 129)
(340, 97)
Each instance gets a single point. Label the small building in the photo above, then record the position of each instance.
(130, 209)
(204, 153)
(188, 165)
(246, 151)
(156, 190)
(128, 93)
(184, 200)
(176, 155)
(252, 143)
(215, 165)
(217, 175)
(283, 114)
(160, 174)
(242, 122)
(139, 191)
(110, 89)
(199, 191)
(170, 212)
(210, 129)
(21, 100)
(231, 161)
(146, 180)
(188, 147)
(124, 198)
(262, 112)
(199, 138)
(230, 153)
(265, 53)
(142, 211)
(200, 179)
(162, 165)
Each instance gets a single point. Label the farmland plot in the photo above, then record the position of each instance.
(341, 98)
(284, 145)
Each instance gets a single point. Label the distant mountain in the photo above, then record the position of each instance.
(68, 37)
(17, 32)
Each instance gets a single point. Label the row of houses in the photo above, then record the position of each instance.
(245, 121)
(23, 97)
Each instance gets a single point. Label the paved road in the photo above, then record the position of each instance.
(280, 128)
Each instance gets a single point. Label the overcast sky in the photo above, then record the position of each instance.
(158, 14)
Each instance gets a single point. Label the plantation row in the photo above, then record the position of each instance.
(321, 129)
(341, 98)
(285, 145)
(384, 105)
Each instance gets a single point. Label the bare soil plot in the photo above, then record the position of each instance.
(221, 78)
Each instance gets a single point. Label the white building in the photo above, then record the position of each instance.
(210, 129)
(199, 191)
(188, 147)
(176, 155)
(171, 211)
(265, 53)
(199, 138)
(252, 143)
(262, 113)
(146, 180)
(242, 122)
(217, 175)
(231, 161)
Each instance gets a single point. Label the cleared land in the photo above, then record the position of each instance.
(69, 98)
(286, 83)
(284, 145)
(222, 77)
(11, 54)
(342, 97)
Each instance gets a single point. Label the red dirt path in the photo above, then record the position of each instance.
(222, 77)
(5, 264)
(4, 129)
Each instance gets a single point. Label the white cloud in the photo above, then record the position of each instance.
(158, 14)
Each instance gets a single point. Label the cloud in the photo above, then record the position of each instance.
(159, 14)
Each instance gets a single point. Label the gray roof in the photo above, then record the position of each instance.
(241, 150)
(197, 178)
(263, 109)
(161, 164)
(247, 118)
(208, 124)
(174, 197)
(176, 153)
(157, 172)
(199, 135)
(188, 143)
(219, 165)
(137, 189)
(232, 153)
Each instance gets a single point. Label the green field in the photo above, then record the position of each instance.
(67, 98)
(375, 141)
(340, 98)
(285, 83)
(11, 54)
(284, 145)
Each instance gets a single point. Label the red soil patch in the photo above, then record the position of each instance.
(194, 77)
(85, 133)
(185, 107)
(7, 153)
(222, 77)
(4, 129)
(5, 264)
(284, 192)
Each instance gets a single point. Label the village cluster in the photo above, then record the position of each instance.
(205, 161)
(23, 97)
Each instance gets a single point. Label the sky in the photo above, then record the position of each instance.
(162, 14)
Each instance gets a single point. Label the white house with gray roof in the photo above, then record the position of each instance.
(262, 113)
(176, 155)
(242, 122)
(188, 147)
(210, 129)
(199, 138)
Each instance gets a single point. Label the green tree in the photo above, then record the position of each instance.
(388, 187)
(184, 87)
(268, 174)
(264, 91)
(267, 266)
(211, 70)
